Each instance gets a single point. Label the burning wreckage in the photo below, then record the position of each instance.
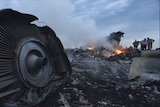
(106, 78)
(33, 64)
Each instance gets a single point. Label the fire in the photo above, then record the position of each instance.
(118, 51)
(91, 48)
(97, 51)
(121, 51)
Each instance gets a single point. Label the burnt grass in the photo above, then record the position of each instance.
(85, 88)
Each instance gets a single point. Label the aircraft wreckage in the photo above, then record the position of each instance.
(32, 60)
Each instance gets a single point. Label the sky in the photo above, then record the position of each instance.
(81, 22)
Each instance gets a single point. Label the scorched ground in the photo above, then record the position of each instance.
(98, 82)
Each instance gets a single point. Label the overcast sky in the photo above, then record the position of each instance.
(78, 22)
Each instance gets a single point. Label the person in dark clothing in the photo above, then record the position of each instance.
(149, 43)
(135, 44)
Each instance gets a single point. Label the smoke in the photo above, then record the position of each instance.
(73, 31)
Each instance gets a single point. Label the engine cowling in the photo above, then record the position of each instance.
(33, 63)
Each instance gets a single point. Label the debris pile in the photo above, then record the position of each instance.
(97, 81)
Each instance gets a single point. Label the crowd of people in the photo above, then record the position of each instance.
(146, 44)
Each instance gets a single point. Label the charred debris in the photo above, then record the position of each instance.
(100, 78)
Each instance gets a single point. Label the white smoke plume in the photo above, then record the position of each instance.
(72, 30)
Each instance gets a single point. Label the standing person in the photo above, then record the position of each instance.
(149, 43)
(135, 44)
(144, 44)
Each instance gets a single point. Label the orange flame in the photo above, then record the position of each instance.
(91, 48)
(118, 51)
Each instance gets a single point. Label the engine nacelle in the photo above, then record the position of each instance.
(33, 63)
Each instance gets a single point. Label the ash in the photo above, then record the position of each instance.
(98, 82)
